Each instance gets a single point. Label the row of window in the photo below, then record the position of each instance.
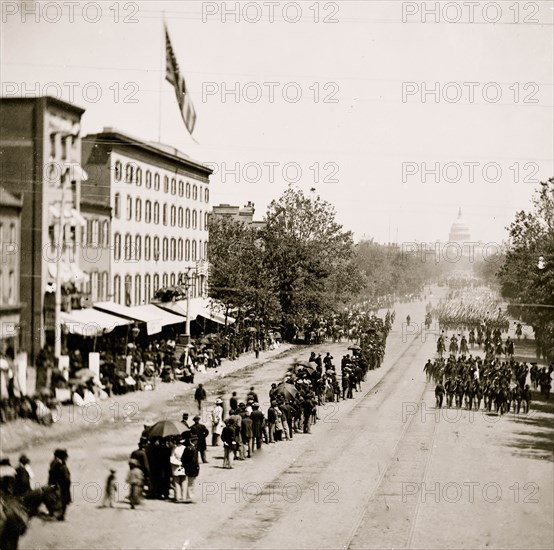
(97, 234)
(98, 289)
(171, 249)
(170, 215)
(133, 174)
(144, 293)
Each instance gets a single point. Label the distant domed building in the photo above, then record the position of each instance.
(459, 232)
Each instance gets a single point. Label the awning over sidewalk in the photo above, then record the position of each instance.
(154, 317)
(198, 308)
(91, 322)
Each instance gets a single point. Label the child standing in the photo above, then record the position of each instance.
(109, 495)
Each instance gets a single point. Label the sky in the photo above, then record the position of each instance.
(332, 96)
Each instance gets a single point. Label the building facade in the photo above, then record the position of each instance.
(159, 200)
(244, 214)
(41, 155)
(10, 247)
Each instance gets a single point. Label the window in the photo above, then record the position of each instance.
(117, 206)
(148, 179)
(194, 219)
(164, 280)
(11, 287)
(129, 208)
(95, 237)
(117, 170)
(200, 219)
(156, 249)
(129, 173)
(147, 248)
(188, 190)
(156, 182)
(128, 246)
(173, 250)
(166, 184)
(164, 214)
(181, 188)
(147, 211)
(106, 233)
(187, 250)
(139, 177)
(194, 250)
(206, 195)
(53, 146)
(156, 283)
(194, 192)
(187, 218)
(165, 249)
(172, 279)
(180, 250)
(173, 186)
(103, 286)
(117, 289)
(180, 217)
(173, 217)
(138, 210)
(138, 288)
(206, 221)
(138, 248)
(128, 290)
(117, 247)
(156, 213)
(200, 194)
(147, 289)
(94, 286)
(200, 250)
(206, 251)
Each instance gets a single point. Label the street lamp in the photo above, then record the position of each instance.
(184, 281)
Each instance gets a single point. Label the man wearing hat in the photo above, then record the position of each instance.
(190, 464)
(258, 420)
(60, 476)
(200, 431)
(23, 476)
(7, 476)
(217, 422)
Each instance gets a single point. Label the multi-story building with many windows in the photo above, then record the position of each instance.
(160, 201)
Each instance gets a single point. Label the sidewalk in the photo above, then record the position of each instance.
(21, 434)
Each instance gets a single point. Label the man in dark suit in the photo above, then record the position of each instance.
(200, 431)
(60, 476)
(258, 419)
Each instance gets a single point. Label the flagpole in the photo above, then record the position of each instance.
(161, 79)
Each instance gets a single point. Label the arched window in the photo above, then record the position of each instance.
(156, 182)
(148, 179)
(187, 218)
(104, 285)
(129, 173)
(173, 186)
(139, 177)
(181, 188)
(206, 251)
(117, 247)
(117, 170)
(128, 246)
(117, 206)
(117, 289)
(200, 219)
(173, 250)
(138, 288)
(180, 217)
(206, 221)
(187, 250)
(172, 279)
(156, 249)
(206, 195)
(188, 190)
(147, 211)
(194, 219)
(173, 216)
(164, 214)
(194, 192)
(180, 250)
(165, 249)
(166, 184)
(106, 233)
(200, 196)
(129, 208)
(138, 210)
(147, 288)
(128, 290)
(156, 213)
(156, 280)
(164, 280)
(147, 248)
(194, 258)
(200, 250)
(138, 248)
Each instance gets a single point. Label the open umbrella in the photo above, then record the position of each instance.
(164, 428)
(302, 364)
(286, 390)
(355, 347)
(309, 369)
(85, 374)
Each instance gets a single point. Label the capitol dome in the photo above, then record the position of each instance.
(459, 232)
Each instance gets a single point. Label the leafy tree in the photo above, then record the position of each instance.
(527, 275)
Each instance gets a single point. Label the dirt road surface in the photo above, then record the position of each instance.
(383, 470)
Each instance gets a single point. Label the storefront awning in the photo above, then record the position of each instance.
(198, 308)
(154, 317)
(69, 273)
(91, 322)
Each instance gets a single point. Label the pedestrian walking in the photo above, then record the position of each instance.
(258, 420)
(60, 476)
(135, 480)
(200, 396)
(191, 466)
(200, 431)
(110, 490)
(229, 442)
(217, 422)
(177, 469)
